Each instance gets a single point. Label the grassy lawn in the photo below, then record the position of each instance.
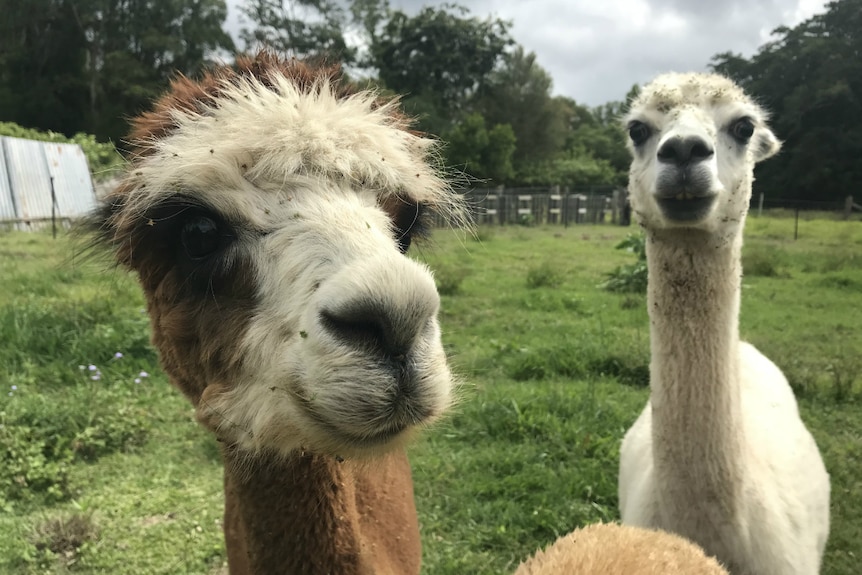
(104, 470)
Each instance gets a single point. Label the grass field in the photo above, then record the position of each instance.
(104, 470)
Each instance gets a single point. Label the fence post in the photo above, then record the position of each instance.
(760, 206)
(848, 207)
(53, 210)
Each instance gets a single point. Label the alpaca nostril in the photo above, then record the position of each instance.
(364, 327)
(681, 151)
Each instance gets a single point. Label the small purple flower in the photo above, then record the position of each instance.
(118, 355)
(91, 367)
(14, 388)
(143, 374)
(137, 380)
(96, 377)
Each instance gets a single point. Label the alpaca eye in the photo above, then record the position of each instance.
(200, 237)
(404, 242)
(639, 132)
(409, 223)
(742, 129)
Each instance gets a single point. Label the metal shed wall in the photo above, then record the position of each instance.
(72, 183)
(25, 180)
(7, 206)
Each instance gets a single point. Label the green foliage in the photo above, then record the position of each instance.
(518, 93)
(763, 261)
(102, 157)
(484, 154)
(51, 418)
(581, 359)
(631, 278)
(82, 66)
(310, 29)
(449, 279)
(583, 170)
(441, 56)
(810, 78)
(543, 275)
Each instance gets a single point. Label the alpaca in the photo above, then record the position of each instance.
(612, 549)
(267, 211)
(720, 454)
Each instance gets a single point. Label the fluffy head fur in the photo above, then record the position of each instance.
(694, 140)
(266, 211)
(611, 549)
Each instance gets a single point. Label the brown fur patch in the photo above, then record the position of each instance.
(364, 520)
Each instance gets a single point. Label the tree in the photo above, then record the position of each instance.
(598, 134)
(308, 29)
(41, 56)
(484, 154)
(439, 59)
(810, 78)
(518, 92)
(87, 65)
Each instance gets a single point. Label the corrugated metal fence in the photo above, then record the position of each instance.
(41, 182)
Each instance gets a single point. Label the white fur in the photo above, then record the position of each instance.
(332, 246)
(303, 178)
(720, 454)
(271, 139)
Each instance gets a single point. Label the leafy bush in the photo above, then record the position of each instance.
(449, 279)
(59, 408)
(543, 275)
(41, 439)
(762, 261)
(585, 358)
(103, 158)
(28, 466)
(630, 278)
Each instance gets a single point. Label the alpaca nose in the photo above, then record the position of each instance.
(683, 150)
(367, 327)
(382, 310)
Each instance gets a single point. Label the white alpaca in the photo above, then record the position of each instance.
(719, 455)
(266, 213)
(611, 549)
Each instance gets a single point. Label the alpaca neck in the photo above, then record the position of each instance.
(693, 298)
(316, 514)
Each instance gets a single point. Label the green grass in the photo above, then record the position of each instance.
(114, 476)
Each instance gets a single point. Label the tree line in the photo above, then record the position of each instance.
(75, 66)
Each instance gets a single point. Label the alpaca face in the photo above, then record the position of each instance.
(269, 227)
(694, 140)
(342, 350)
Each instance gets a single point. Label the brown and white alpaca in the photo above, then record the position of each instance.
(266, 212)
(720, 454)
(613, 549)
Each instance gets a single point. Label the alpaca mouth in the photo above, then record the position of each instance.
(372, 418)
(369, 437)
(685, 206)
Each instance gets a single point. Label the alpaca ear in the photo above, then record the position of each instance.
(764, 144)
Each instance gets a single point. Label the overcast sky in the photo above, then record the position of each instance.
(595, 50)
